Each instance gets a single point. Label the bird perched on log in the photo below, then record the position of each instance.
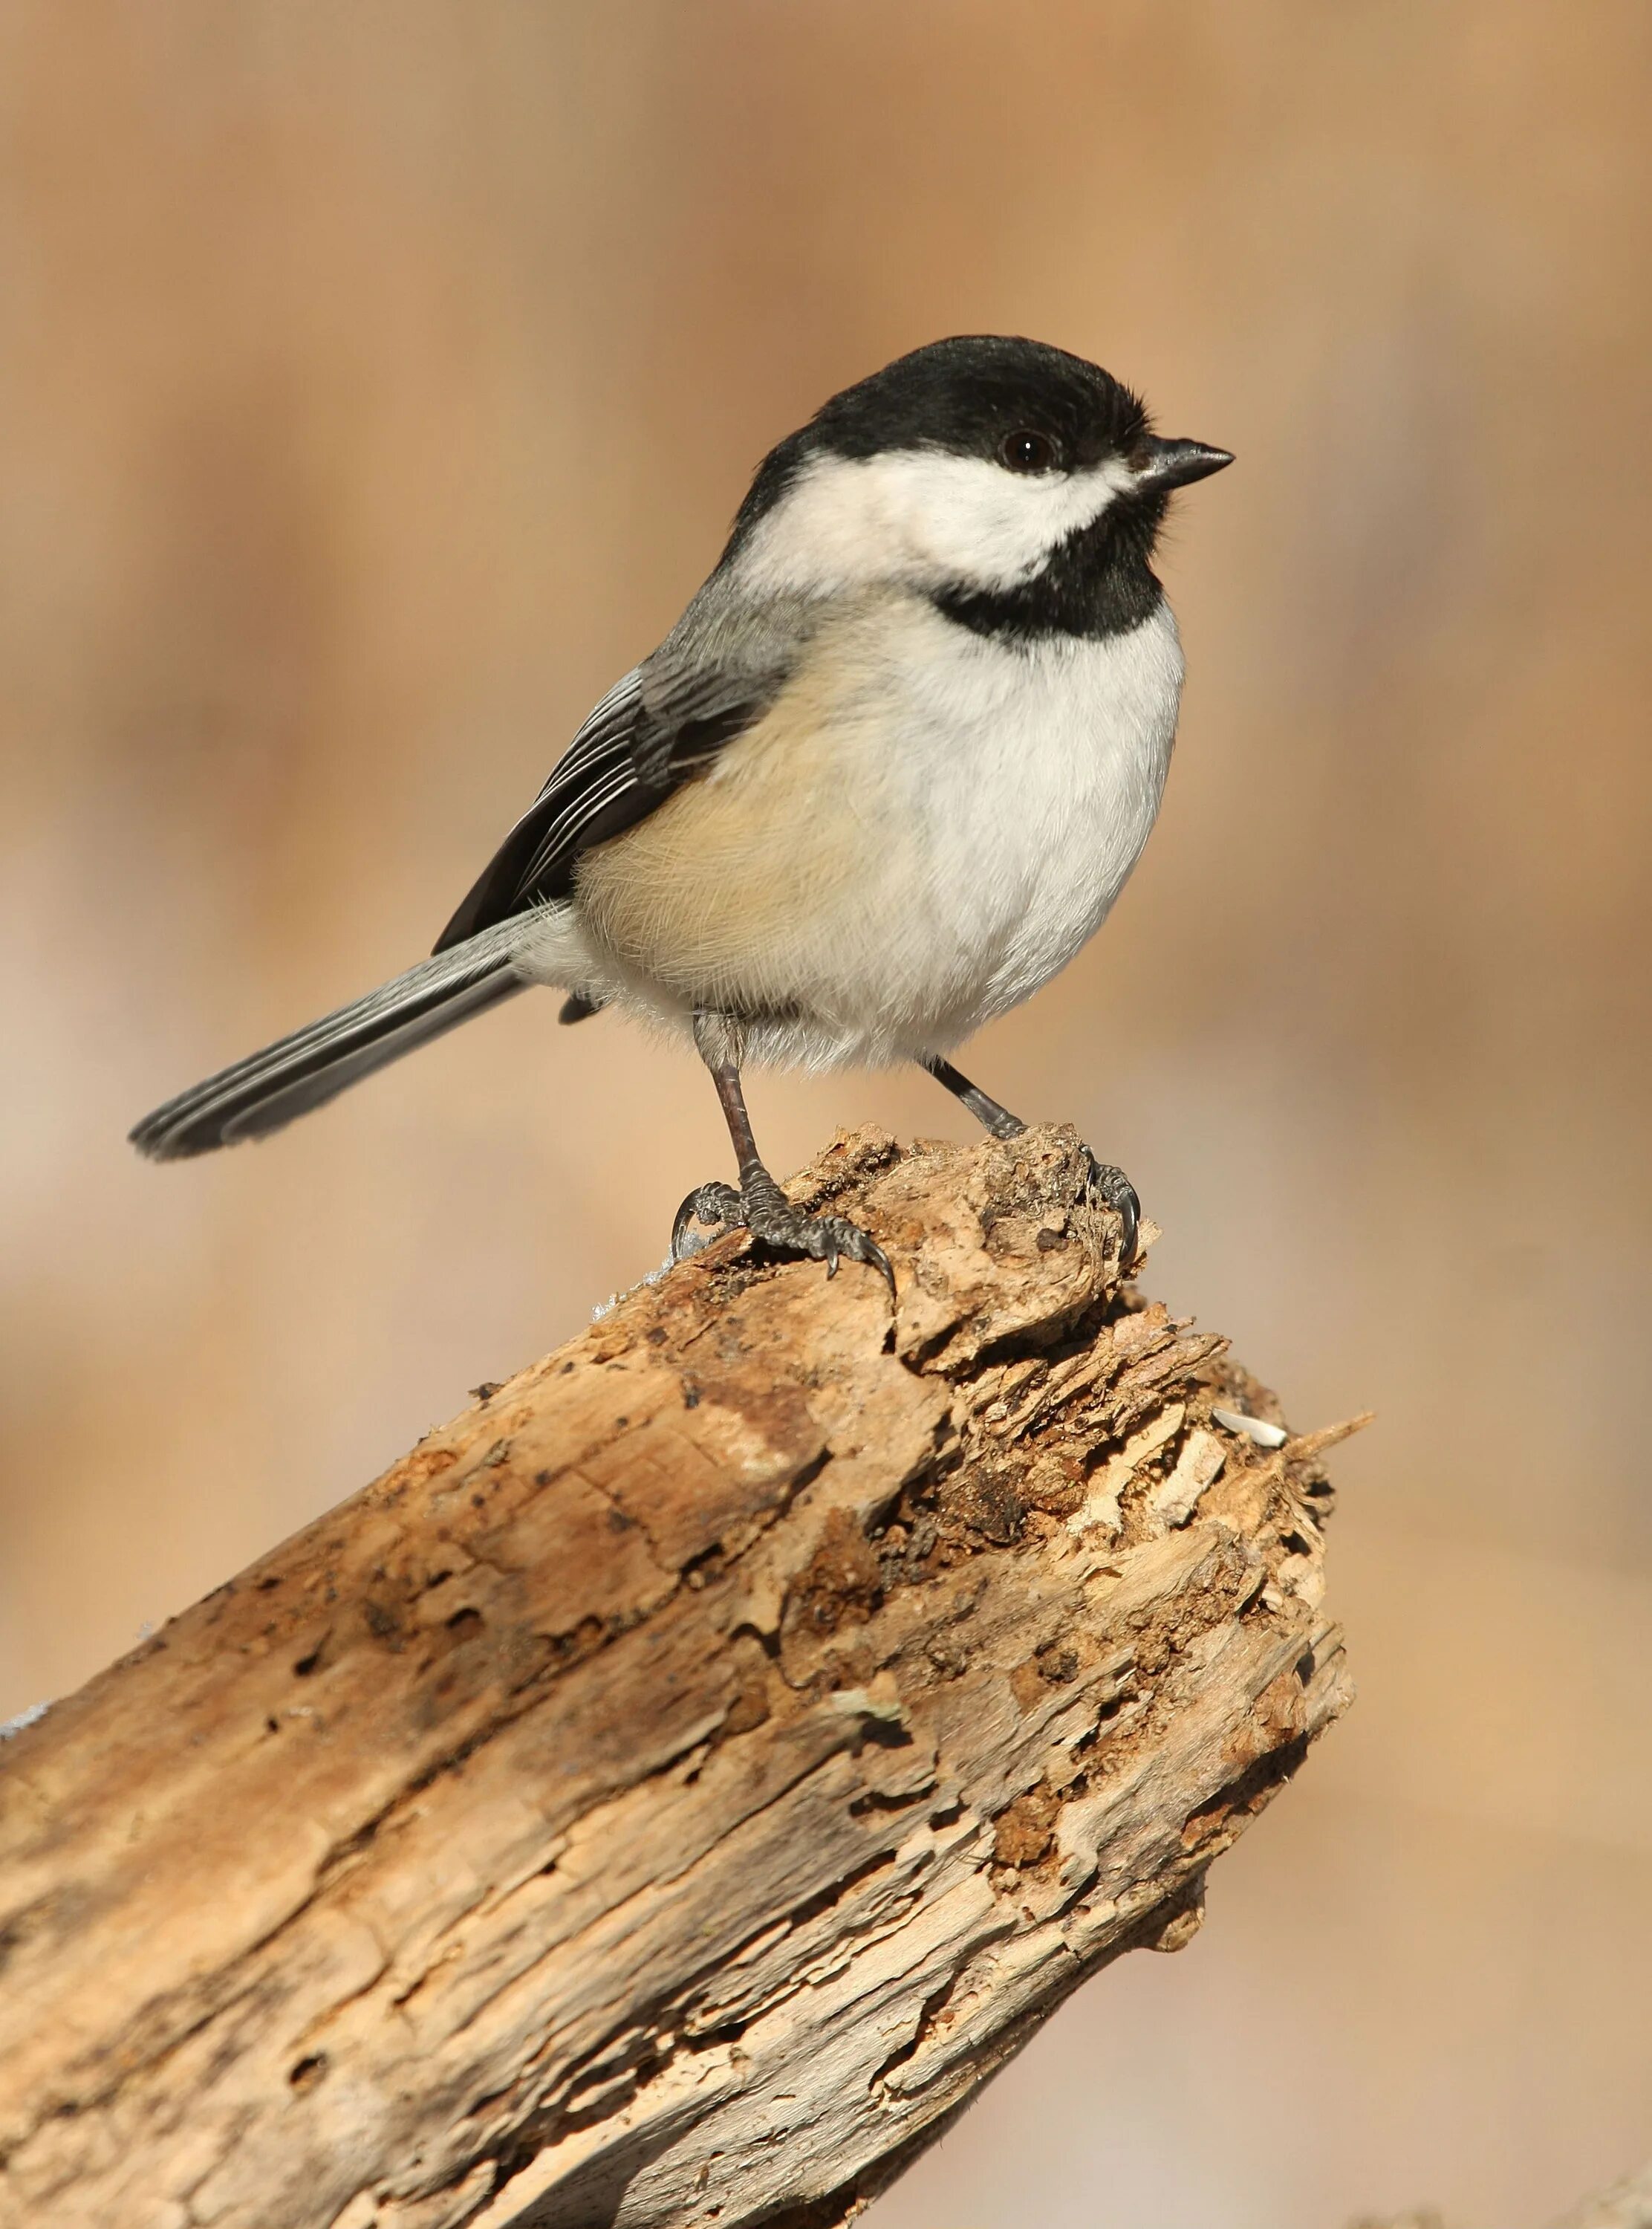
(884, 776)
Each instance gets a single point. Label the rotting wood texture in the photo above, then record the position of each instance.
(670, 1792)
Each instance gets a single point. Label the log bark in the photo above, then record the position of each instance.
(669, 1793)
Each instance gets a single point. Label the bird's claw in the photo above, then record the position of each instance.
(1115, 1190)
(764, 1210)
(827, 1238)
(718, 1206)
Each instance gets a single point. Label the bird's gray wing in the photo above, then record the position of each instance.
(653, 731)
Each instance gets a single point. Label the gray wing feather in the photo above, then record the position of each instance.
(654, 730)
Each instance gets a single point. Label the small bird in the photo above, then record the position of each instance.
(884, 776)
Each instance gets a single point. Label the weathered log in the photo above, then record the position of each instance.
(668, 1794)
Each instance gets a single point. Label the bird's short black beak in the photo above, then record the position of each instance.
(1178, 464)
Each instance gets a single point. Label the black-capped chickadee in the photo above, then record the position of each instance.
(884, 777)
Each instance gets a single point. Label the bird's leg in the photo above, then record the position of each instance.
(1111, 1184)
(987, 1112)
(759, 1205)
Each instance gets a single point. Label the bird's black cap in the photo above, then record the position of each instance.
(968, 394)
(1034, 409)
(971, 395)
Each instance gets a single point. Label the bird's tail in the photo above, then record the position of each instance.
(268, 1088)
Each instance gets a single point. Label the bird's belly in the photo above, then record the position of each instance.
(911, 841)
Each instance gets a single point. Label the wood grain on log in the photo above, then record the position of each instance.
(671, 1791)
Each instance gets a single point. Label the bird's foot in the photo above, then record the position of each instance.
(715, 1208)
(1115, 1190)
(764, 1210)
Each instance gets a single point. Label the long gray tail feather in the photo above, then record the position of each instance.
(268, 1088)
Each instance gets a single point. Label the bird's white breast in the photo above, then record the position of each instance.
(925, 826)
(1035, 781)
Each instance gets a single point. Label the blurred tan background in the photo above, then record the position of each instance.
(375, 382)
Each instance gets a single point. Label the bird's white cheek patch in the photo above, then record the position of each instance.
(923, 516)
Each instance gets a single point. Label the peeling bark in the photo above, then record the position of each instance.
(669, 1793)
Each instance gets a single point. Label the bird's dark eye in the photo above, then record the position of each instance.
(1024, 451)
